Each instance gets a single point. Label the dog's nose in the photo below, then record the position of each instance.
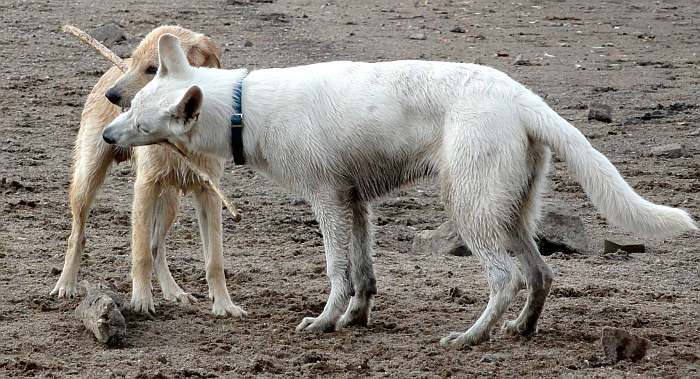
(108, 138)
(113, 96)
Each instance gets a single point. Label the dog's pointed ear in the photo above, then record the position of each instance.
(172, 60)
(187, 109)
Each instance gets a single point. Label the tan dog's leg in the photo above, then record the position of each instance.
(209, 214)
(143, 215)
(92, 159)
(165, 212)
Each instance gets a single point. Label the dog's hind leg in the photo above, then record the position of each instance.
(539, 275)
(483, 178)
(334, 217)
(361, 270)
(208, 207)
(165, 212)
(91, 162)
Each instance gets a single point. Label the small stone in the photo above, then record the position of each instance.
(520, 61)
(600, 112)
(247, 44)
(418, 36)
(611, 247)
(109, 33)
(619, 344)
(562, 231)
(55, 271)
(672, 150)
(458, 29)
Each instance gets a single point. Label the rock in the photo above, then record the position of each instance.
(562, 231)
(55, 271)
(619, 344)
(247, 44)
(109, 33)
(672, 150)
(418, 36)
(100, 312)
(612, 247)
(443, 240)
(458, 29)
(520, 61)
(600, 112)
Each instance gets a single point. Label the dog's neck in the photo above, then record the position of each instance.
(213, 128)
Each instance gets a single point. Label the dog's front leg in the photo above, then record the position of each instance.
(143, 219)
(209, 214)
(334, 218)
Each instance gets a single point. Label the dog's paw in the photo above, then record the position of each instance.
(316, 324)
(143, 303)
(357, 314)
(514, 328)
(67, 289)
(462, 339)
(228, 309)
(181, 297)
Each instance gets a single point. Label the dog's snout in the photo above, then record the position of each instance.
(113, 96)
(108, 137)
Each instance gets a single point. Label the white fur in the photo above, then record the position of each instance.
(344, 133)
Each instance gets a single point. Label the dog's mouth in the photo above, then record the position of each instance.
(125, 108)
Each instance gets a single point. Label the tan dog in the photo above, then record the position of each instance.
(160, 176)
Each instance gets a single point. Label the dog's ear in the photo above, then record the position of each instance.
(187, 109)
(172, 60)
(204, 53)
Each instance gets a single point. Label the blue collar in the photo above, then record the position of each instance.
(237, 125)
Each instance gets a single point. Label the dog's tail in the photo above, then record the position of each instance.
(603, 184)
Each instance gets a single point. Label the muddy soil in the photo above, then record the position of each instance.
(638, 57)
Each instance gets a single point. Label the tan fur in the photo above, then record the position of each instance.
(160, 176)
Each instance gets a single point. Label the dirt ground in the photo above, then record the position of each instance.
(639, 59)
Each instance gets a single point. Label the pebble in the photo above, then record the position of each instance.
(672, 150)
(418, 36)
(458, 29)
(619, 344)
(600, 112)
(520, 61)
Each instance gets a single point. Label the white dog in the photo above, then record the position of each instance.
(343, 133)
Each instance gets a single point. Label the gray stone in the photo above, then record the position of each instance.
(618, 344)
(441, 241)
(109, 33)
(672, 150)
(600, 112)
(562, 231)
(418, 36)
(520, 61)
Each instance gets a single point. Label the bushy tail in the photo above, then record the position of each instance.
(613, 197)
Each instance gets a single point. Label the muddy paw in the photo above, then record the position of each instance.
(354, 316)
(68, 289)
(143, 303)
(182, 298)
(461, 339)
(228, 309)
(316, 324)
(515, 328)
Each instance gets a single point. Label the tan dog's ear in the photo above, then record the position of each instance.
(172, 60)
(205, 53)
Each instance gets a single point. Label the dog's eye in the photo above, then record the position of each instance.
(151, 70)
